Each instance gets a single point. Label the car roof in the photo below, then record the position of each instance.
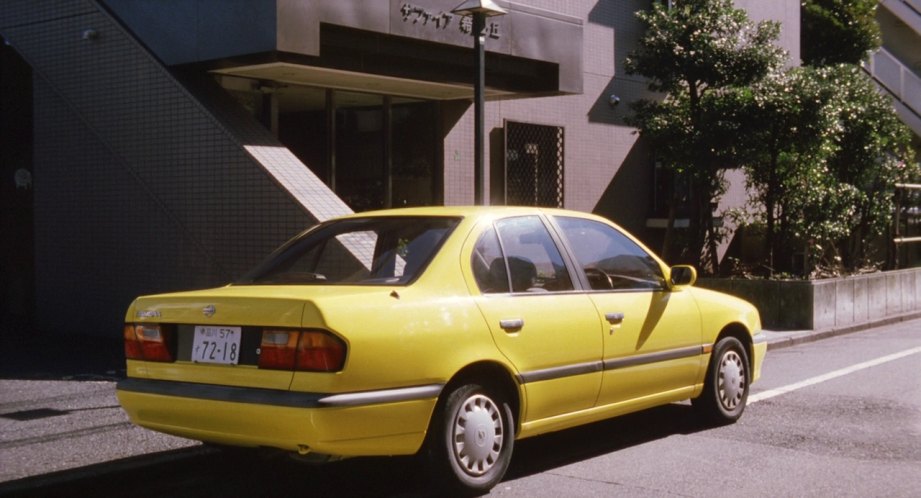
(473, 214)
(467, 211)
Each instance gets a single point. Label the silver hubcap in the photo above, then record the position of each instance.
(731, 380)
(478, 434)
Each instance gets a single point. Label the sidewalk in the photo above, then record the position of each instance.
(60, 419)
(58, 411)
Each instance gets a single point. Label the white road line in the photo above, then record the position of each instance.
(754, 398)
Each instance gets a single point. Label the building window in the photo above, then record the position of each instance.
(533, 164)
(374, 151)
(669, 189)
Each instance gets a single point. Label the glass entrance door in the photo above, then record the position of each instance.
(359, 159)
(414, 151)
(374, 151)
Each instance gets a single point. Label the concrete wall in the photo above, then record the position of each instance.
(787, 13)
(828, 303)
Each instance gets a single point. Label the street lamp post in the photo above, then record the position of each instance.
(479, 10)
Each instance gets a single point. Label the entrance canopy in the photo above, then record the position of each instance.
(414, 48)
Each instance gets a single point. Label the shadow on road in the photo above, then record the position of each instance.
(30, 354)
(558, 449)
(207, 471)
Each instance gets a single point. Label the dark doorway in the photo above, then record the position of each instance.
(17, 275)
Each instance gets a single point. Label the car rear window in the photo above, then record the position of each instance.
(366, 251)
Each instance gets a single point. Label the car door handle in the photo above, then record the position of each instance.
(511, 324)
(614, 318)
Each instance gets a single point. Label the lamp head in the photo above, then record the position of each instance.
(489, 8)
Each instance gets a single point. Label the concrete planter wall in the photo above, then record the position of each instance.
(827, 303)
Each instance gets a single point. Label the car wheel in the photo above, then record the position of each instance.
(471, 443)
(726, 386)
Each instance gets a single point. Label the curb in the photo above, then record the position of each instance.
(35, 483)
(796, 338)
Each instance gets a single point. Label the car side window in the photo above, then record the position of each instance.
(534, 261)
(519, 254)
(609, 259)
(488, 264)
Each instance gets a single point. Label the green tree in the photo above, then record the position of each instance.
(823, 151)
(838, 31)
(695, 52)
(785, 140)
(872, 153)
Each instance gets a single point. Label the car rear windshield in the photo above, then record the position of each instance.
(365, 251)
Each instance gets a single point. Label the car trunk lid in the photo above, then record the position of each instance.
(204, 324)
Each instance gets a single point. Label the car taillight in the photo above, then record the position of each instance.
(307, 350)
(149, 342)
(278, 349)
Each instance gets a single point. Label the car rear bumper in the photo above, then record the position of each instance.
(386, 422)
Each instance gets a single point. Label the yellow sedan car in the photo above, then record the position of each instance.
(452, 331)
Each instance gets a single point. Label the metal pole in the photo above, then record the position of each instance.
(479, 164)
(897, 229)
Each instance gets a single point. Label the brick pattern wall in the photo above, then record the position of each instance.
(598, 143)
(100, 237)
(607, 170)
(138, 187)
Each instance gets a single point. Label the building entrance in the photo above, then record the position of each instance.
(374, 151)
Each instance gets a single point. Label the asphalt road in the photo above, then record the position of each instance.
(838, 417)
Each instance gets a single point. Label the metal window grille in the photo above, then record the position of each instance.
(533, 164)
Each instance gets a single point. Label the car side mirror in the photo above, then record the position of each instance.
(683, 276)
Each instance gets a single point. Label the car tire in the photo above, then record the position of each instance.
(726, 386)
(471, 441)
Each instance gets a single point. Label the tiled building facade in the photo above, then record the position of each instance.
(896, 66)
(175, 147)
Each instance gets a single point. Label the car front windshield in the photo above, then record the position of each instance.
(366, 251)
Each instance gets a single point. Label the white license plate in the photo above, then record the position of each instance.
(216, 345)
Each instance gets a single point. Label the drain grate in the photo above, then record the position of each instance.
(35, 414)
